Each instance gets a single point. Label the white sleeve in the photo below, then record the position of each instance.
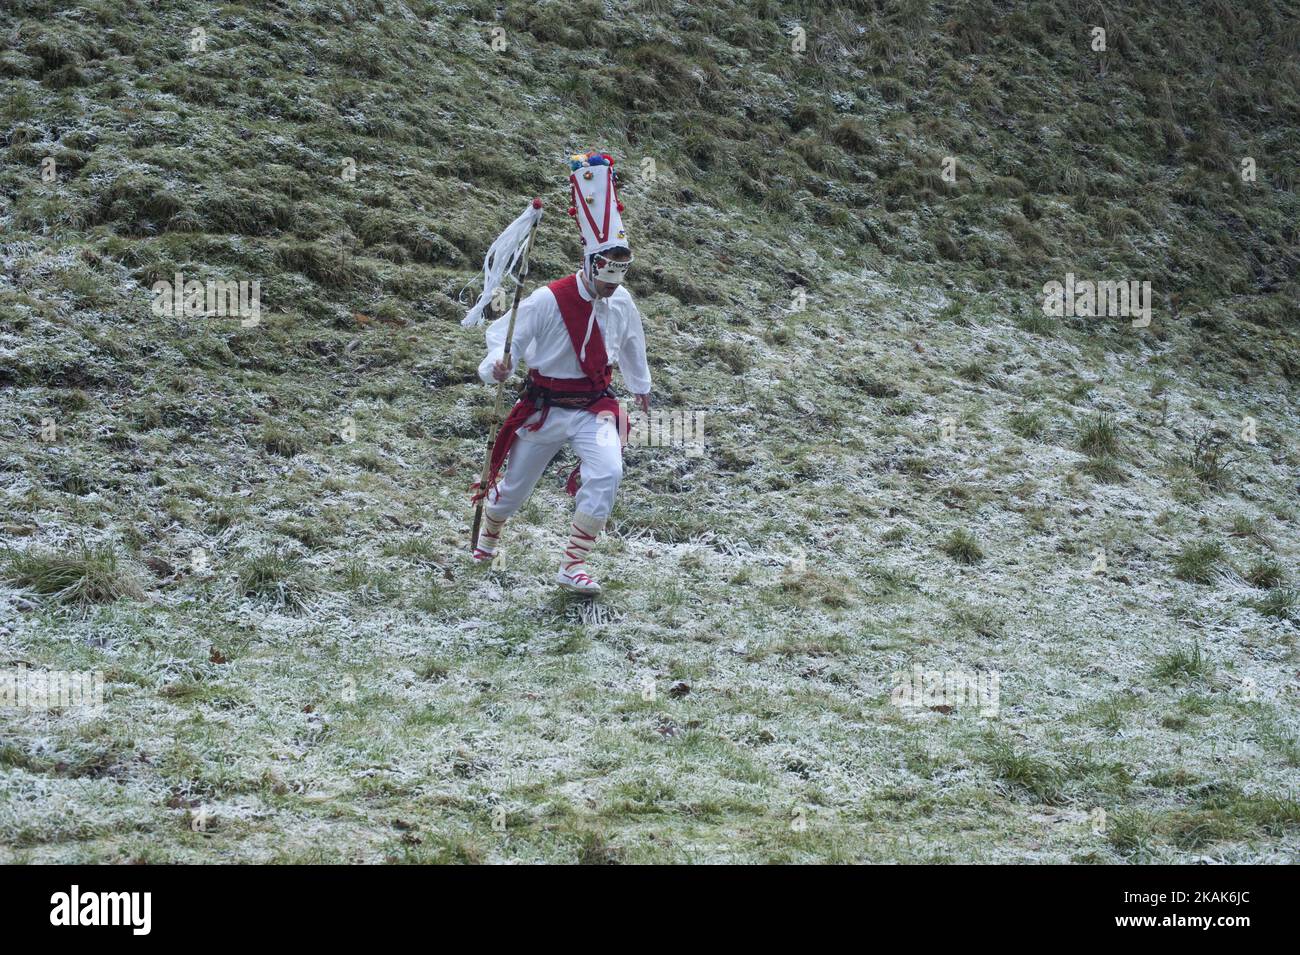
(631, 355)
(525, 329)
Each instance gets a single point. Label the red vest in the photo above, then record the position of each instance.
(576, 312)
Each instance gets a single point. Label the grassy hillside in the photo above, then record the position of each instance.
(258, 532)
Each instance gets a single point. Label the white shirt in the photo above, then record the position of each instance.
(543, 341)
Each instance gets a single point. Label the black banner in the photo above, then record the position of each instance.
(218, 903)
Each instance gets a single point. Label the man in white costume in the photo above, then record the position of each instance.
(571, 333)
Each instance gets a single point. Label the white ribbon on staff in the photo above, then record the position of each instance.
(501, 260)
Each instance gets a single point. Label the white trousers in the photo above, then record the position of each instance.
(594, 440)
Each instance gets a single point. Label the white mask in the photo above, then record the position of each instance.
(607, 270)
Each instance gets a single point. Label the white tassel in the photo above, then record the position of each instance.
(501, 260)
(599, 306)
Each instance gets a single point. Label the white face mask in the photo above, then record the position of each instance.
(607, 270)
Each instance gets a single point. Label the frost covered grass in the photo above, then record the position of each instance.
(914, 468)
(1200, 562)
(87, 575)
(962, 547)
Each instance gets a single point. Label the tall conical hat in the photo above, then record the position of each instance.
(595, 205)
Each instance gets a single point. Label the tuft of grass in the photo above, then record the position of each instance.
(851, 135)
(307, 531)
(1033, 320)
(830, 590)
(434, 597)
(1110, 715)
(1265, 573)
(595, 849)
(1243, 525)
(1193, 830)
(1078, 391)
(368, 583)
(279, 440)
(418, 549)
(1175, 778)
(896, 534)
(1197, 704)
(276, 577)
(433, 669)
(1104, 469)
(89, 575)
(1184, 666)
(331, 267)
(1199, 563)
(1031, 425)
(1276, 737)
(976, 372)
(976, 621)
(1226, 814)
(1280, 602)
(1023, 770)
(1132, 831)
(962, 547)
(1099, 437)
(1209, 460)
